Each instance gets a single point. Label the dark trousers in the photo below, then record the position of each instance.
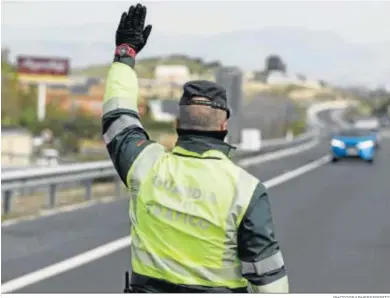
(144, 284)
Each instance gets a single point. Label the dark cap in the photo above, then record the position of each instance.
(207, 89)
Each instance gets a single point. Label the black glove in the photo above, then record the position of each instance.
(131, 29)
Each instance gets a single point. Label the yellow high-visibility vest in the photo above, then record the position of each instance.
(185, 210)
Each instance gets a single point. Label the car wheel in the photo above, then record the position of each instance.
(335, 159)
(370, 161)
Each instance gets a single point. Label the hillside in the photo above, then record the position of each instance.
(317, 54)
(145, 67)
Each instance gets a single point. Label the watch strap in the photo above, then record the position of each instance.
(124, 50)
(130, 61)
(125, 54)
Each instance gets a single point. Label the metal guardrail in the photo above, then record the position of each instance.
(86, 173)
(54, 176)
(279, 144)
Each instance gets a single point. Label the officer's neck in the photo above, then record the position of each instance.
(219, 135)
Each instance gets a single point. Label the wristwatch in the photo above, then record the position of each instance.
(124, 50)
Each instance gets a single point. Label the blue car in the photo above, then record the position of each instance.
(354, 143)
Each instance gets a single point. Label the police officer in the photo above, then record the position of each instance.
(199, 223)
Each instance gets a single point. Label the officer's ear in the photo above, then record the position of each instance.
(224, 125)
(177, 123)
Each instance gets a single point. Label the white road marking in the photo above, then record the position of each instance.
(109, 248)
(297, 172)
(65, 265)
(245, 162)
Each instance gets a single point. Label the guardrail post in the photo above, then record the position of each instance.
(7, 196)
(52, 195)
(88, 189)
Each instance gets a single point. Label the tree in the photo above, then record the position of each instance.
(28, 109)
(274, 63)
(19, 108)
(10, 91)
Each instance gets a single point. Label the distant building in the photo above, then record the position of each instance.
(178, 74)
(16, 146)
(82, 93)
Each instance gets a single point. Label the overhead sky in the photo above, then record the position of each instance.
(349, 40)
(356, 21)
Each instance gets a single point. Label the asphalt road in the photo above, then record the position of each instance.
(334, 226)
(332, 223)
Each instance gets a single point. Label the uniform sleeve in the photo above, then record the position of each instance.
(123, 133)
(259, 252)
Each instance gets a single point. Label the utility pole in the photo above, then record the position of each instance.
(231, 79)
(41, 108)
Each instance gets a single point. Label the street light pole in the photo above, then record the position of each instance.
(41, 108)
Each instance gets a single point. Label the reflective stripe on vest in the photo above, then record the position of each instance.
(119, 125)
(115, 103)
(137, 173)
(148, 256)
(264, 266)
(214, 274)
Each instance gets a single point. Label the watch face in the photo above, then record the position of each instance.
(122, 51)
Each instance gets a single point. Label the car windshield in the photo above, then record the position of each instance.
(354, 133)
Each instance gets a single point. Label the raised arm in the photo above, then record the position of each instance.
(123, 132)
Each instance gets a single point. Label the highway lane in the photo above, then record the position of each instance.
(326, 117)
(333, 225)
(276, 167)
(33, 245)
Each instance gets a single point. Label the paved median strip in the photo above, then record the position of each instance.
(122, 243)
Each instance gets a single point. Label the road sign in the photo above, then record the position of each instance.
(41, 71)
(32, 69)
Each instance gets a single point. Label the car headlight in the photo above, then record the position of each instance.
(366, 144)
(337, 143)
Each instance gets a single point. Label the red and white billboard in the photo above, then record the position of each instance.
(43, 66)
